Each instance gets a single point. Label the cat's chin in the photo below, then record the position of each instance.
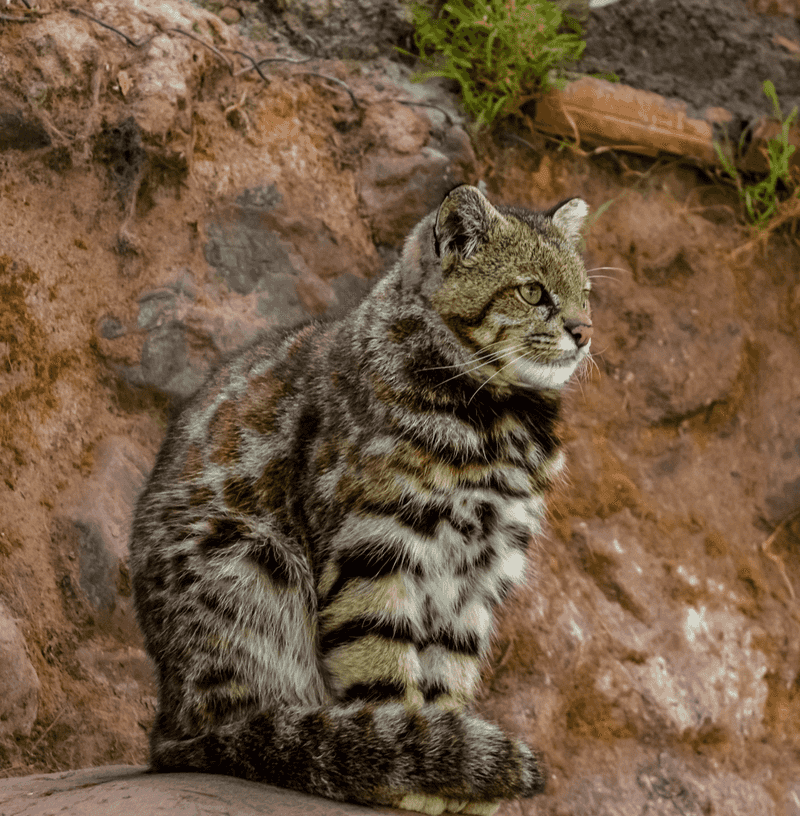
(547, 376)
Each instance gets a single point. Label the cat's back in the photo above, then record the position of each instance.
(246, 403)
(227, 453)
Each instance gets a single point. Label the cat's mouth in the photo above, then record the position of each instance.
(532, 371)
(573, 356)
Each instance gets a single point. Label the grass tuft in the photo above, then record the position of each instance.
(502, 53)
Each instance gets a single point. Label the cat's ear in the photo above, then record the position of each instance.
(463, 221)
(569, 217)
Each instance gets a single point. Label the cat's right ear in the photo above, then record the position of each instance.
(569, 217)
(463, 221)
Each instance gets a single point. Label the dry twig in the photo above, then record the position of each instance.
(774, 557)
(10, 18)
(99, 22)
(207, 45)
(256, 64)
(338, 82)
(427, 105)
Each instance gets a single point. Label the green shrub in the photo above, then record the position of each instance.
(501, 52)
(761, 198)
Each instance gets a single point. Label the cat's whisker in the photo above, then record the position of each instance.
(466, 371)
(480, 365)
(599, 353)
(520, 357)
(486, 352)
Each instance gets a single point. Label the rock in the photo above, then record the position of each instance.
(19, 132)
(247, 256)
(165, 364)
(669, 369)
(621, 38)
(399, 190)
(412, 168)
(397, 127)
(230, 15)
(129, 789)
(456, 144)
(94, 521)
(251, 257)
(161, 97)
(792, 800)
(351, 29)
(183, 337)
(439, 104)
(674, 652)
(19, 702)
(187, 333)
(165, 361)
(702, 669)
(127, 671)
(658, 785)
(67, 52)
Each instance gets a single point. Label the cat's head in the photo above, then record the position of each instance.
(510, 284)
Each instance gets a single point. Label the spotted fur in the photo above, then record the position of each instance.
(335, 516)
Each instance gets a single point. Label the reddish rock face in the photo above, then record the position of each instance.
(655, 659)
(20, 701)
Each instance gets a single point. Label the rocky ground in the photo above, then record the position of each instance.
(707, 53)
(161, 202)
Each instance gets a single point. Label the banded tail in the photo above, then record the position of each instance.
(361, 752)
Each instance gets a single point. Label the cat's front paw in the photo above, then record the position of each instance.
(436, 805)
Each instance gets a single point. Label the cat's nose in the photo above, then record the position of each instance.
(580, 328)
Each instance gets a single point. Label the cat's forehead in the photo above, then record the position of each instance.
(535, 235)
(531, 227)
(529, 247)
(535, 220)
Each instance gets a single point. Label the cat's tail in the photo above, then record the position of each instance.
(373, 754)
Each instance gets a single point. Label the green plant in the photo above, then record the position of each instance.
(761, 198)
(501, 52)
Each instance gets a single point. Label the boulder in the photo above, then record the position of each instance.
(92, 524)
(19, 703)
(130, 789)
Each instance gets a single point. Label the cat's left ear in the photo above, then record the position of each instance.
(463, 221)
(569, 218)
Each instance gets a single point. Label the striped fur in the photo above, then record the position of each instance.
(335, 516)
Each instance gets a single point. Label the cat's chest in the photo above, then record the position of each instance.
(478, 548)
(477, 554)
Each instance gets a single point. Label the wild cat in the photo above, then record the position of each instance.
(335, 516)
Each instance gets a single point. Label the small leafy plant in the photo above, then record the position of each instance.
(761, 198)
(501, 52)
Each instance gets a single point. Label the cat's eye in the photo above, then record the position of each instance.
(530, 293)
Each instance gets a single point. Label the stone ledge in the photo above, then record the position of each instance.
(611, 113)
(121, 790)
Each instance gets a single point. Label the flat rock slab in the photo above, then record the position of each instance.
(120, 790)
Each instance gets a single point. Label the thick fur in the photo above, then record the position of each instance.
(334, 517)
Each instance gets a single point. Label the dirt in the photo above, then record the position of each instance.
(671, 552)
(708, 53)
